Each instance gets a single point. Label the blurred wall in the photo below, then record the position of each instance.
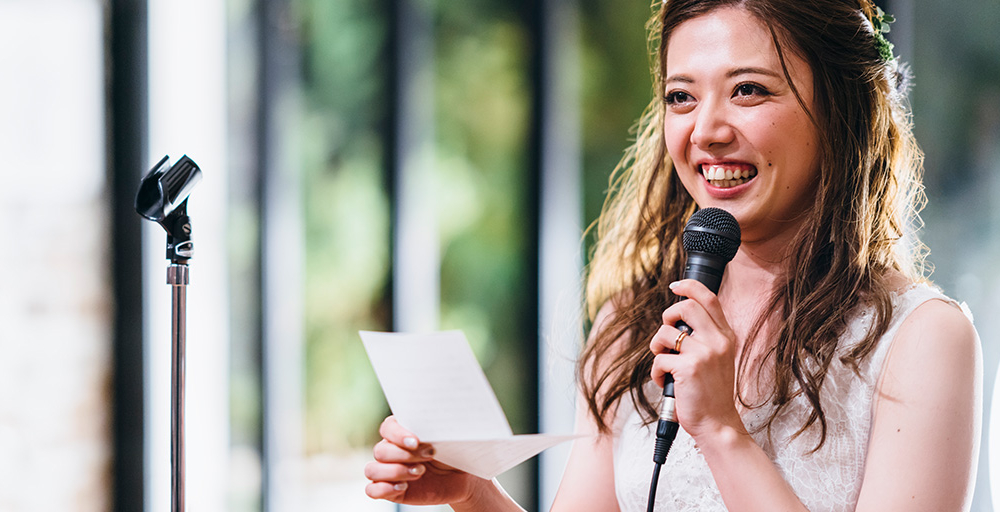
(55, 309)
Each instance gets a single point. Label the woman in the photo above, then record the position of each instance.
(826, 374)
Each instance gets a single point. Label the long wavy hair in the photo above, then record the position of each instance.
(859, 232)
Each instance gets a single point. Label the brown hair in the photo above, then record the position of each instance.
(851, 241)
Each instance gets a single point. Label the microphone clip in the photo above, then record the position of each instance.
(162, 198)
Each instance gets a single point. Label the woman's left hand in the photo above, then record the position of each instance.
(705, 369)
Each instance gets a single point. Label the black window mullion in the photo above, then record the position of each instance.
(127, 134)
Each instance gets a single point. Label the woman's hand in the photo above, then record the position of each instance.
(404, 472)
(705, 369)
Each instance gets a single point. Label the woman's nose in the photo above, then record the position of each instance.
(712, 126)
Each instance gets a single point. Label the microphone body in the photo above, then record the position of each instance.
(706, 268)
(711, 239)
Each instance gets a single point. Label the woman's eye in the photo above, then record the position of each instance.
(677, 97)
(750, 90)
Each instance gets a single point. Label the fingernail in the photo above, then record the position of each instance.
(410, 442)
(672, 285)
(416, 470)
(400, 486)
(429, 452)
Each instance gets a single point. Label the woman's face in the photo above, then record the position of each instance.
(736, 133)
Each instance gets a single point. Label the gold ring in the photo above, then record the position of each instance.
(677, 342)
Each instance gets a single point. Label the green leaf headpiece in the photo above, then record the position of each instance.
(880, 22)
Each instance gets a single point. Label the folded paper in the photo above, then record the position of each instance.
(437, 390)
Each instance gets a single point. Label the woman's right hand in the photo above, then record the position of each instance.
(705, 369)
(405, 472)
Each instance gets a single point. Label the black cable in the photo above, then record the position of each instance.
(666, 431)
(652, 488)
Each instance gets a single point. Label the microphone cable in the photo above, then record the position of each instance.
(666, 430)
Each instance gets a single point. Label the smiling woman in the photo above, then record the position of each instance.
(800, 386)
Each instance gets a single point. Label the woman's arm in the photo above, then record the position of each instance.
(589, 481)
(925, 438)
(588, 484)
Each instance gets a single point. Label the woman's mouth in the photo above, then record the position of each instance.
(728, 175)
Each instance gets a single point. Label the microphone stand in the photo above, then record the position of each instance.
(163, 198)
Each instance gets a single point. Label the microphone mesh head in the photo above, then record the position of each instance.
(713, 231)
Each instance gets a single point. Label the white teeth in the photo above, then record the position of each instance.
(720, 176)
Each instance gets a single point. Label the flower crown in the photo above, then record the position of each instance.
(880, 22)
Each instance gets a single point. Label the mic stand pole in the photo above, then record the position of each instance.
(180, 249)
(177, 278)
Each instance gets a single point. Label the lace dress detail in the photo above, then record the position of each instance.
(825, 480)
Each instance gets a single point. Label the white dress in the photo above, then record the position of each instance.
(826, 480)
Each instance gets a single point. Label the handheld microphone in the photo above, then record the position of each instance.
(711, 239)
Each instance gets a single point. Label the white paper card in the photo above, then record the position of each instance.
(437, 390)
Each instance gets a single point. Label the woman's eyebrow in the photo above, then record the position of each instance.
(682, 78)
(679, 78)
(752, 71)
